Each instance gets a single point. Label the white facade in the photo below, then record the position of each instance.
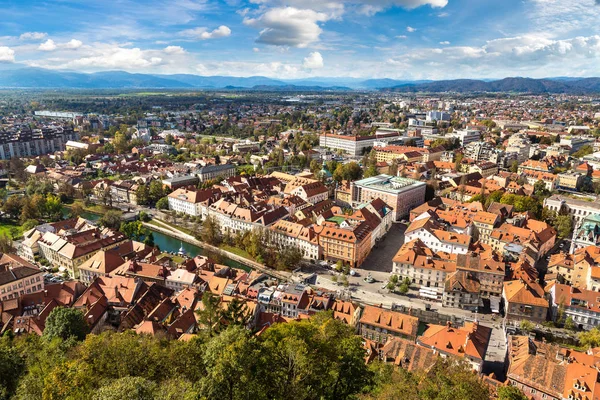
(435, 244)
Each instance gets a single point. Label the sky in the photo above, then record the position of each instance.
(289, 39)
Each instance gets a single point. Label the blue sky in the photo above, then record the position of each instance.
(402, 39)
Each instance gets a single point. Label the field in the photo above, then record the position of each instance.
(11, 229)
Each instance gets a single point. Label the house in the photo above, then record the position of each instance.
(582, 305)
(545, 371)
(524, 300)
(312, 193)
(469, 342)
(431, 232)
(100, 264)
(461, 290)
(18, 277)
(350, 244)
(381, 325)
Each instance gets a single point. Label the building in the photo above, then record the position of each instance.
(180, 181)
(354, 145)
(462, 290)
(381, 325)
(484, 151)
(349, 244)
(22, 141)
(210, 172)
(487, 269)
(189, 201)
(465, 136)
(578, 209)
(18, 277)
(101, 264)
(424, 267)
(581, 305)
(291, 234)
(524, 300)
(402, 194)
(571, 180)
(545, 371)
(431, 232)
(469, 342)
(586, 233)
(312, 193)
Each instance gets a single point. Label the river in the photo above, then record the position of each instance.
(168, 243)
(172, 245)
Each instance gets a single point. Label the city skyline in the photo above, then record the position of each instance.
(400, 39)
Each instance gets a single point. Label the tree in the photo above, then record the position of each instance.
(570, 324)
(127, 388)
(514, 166)
(30, 224)
(142, 194)
(211, 232)
(526, 325)
(539, 188)
(13, 206)
(229, 361)
(12, 366)
(403, 288)
(209, 316)
(510, 393)
(287, 258)
(590, 338)
(236, 313)
(66, 323)
(371, 171)
(6, 243)
(156, 191)
(111, 219)
(564, 226)
(77, 210)
(163, 203)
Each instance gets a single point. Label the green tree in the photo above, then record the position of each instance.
(510, 393)
(12, 366)
(13, 206)
(127, 388)
(403, 288)
(229, 361)
(142, 194)
(111, 219)
(156, 191)
(590, 338)
(564, 226)
(66, 323)
(514, 166)
(211, 232)
(526, 325)
(163, 203)
(371, 171)
(570, 324)
(209, 316)
(77, 210)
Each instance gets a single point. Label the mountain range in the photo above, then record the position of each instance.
(39, 78)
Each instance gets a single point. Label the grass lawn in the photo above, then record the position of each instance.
(237, 251)
(9, 227)
(93, 208)
(178, 227)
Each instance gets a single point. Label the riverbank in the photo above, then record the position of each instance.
(165, 229)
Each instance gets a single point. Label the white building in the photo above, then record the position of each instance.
(185, 201)
(465, 136)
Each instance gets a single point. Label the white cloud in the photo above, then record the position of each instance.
(401, 37)
(256, 49)
(445, 43)
(313, 61)
(243, 68)
(203, 33)
(73, 44)
(411, 29)
(335, 8)
(48, 45)
(174, 50)
(115, 58)
(33, 36)
(7, 55)
(288, 26)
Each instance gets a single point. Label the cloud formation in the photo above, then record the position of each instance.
(203, 33)
(288, 26)
(7, 55)
(313, 61)
(48, 45)
(33, 36)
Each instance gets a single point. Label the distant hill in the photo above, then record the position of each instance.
(517, 85)
(39, 78)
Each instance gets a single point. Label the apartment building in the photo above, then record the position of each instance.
(354, 145)
(402, 194)
(291, 234)
(469, 342)
(349, 244)
(210, 172)
(578, 209)
(524, 300)
(581, 305)
(23, 141)
(18, 277)
(381, 325)
(430, 232)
